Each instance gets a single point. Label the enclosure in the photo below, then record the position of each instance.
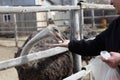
(64, 16)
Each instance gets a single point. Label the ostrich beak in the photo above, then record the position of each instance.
(58, 35)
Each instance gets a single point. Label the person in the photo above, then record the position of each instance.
(108, 40)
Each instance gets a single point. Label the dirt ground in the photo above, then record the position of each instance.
(7, 51)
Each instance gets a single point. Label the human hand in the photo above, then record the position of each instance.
(113, 61)
(62, 44)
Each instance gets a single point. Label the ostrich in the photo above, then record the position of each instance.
(53, 68)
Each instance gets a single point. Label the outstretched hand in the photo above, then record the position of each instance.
(62, 44)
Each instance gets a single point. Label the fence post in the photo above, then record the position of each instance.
(16, 32)
(77, 58)
(81, 20)
(93, 18)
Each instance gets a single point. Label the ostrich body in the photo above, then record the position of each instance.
(53, 68)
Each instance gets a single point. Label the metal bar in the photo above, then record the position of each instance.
(79, 75)
(16, 32)
(77, 58)
(106, 16)
(31, 57)
(93, 18)
(81, 22)
(96, 6)
(76, 76)
(25, 9)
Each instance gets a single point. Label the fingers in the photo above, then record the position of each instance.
(52, 45)
(61, 44)
(110, 62)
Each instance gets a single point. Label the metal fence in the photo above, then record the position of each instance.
(22, 21)
(33, 9)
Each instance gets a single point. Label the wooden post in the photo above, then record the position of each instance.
(77, 58)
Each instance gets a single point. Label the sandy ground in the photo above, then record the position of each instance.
(7, 51)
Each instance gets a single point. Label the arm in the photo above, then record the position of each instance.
(92, 47)
(83, 47)
(89, 47)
